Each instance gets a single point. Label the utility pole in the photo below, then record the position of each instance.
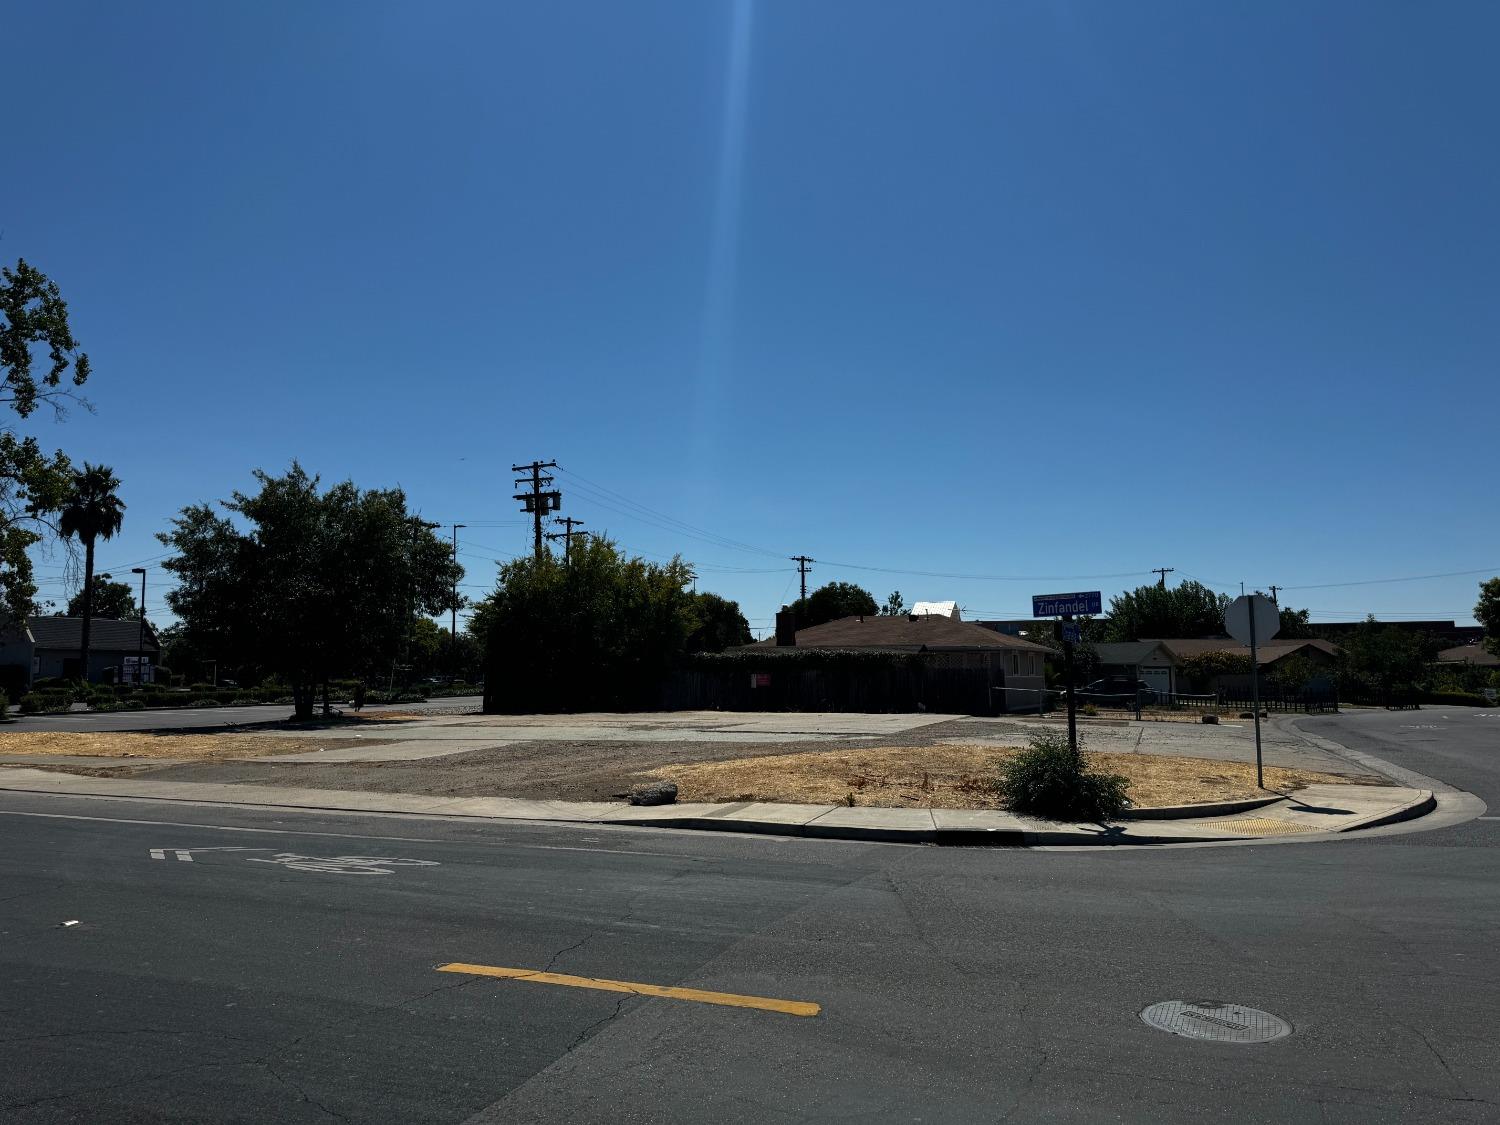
(140, 636)
(1274, 591)
(566, 535)
(537, 502)
(1163, 571)
(802, 562)
(453, 618)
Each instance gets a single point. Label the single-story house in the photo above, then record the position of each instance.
(1158, 662)
(53, 647)
(1475, 655)
(1013, 663)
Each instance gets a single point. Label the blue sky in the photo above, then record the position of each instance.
(1043, 290)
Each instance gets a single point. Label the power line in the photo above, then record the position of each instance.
(986, 577)
(641, 511)
(1163, 571)
(1382, 581)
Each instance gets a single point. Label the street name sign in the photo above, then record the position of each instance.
(1059, 605)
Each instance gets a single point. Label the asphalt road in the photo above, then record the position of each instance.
(954, 985)
(189, 718)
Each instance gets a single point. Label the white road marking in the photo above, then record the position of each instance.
(344, 864)
(335, 835)
(186, 854)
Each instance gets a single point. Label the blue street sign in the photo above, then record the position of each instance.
(1072, 632)
(1056, 605)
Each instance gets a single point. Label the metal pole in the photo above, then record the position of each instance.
(1260, 781)
(140, 636)
(1068, 672)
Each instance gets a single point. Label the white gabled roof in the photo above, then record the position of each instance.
(936, 609)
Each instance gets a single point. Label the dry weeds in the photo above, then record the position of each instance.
(960, 777)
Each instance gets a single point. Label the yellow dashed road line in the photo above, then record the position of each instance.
(727, 999)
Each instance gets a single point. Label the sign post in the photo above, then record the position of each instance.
(1065, 606)
(1250, 619)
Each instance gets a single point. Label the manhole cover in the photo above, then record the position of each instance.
(1212, 1019)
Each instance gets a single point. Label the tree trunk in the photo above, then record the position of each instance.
(88, 606)
(303, 696)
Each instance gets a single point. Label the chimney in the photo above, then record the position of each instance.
(786, 628)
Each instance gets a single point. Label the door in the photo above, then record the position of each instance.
(1160, 680)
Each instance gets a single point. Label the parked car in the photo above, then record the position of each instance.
(1118, 691)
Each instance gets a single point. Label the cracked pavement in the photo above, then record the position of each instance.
(956, 984)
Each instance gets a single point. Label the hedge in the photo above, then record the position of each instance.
(1457, 698)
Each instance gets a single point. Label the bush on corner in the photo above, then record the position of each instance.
(1049, 779)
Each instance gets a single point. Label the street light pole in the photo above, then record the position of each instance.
(140, 637)
(453, 619)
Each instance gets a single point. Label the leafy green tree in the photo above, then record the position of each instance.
(308, 584)
(33, 484)
(1295, 672)
(1487, 613)
(1295, 625)
(1148, 612)
(894, 606)
(720, 625)
(92, 511)
(1384, 663)
(110, 599)
(598, 634)
(1202, 670)
(833, 601)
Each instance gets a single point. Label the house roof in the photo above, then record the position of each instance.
(1269, 651)
(911, 634)
(106, 634)
(1125, 652)
(1469, 654)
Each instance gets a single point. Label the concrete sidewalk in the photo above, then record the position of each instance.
(1323, 810)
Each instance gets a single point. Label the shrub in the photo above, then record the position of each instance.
(133, 705)
(202, 701)
(1050, 779)
(30, 703)
(1090, 710)
(4, 706)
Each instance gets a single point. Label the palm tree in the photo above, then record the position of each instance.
(93, 511)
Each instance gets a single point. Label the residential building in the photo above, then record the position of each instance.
(52, 647)
(1159, 662)
(1474, 655)
(1014, 665)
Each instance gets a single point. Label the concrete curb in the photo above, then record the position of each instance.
(1424, 803)
(993, 829)
(1206, 808)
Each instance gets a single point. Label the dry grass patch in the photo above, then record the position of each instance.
(185, 747)
(959, 777)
